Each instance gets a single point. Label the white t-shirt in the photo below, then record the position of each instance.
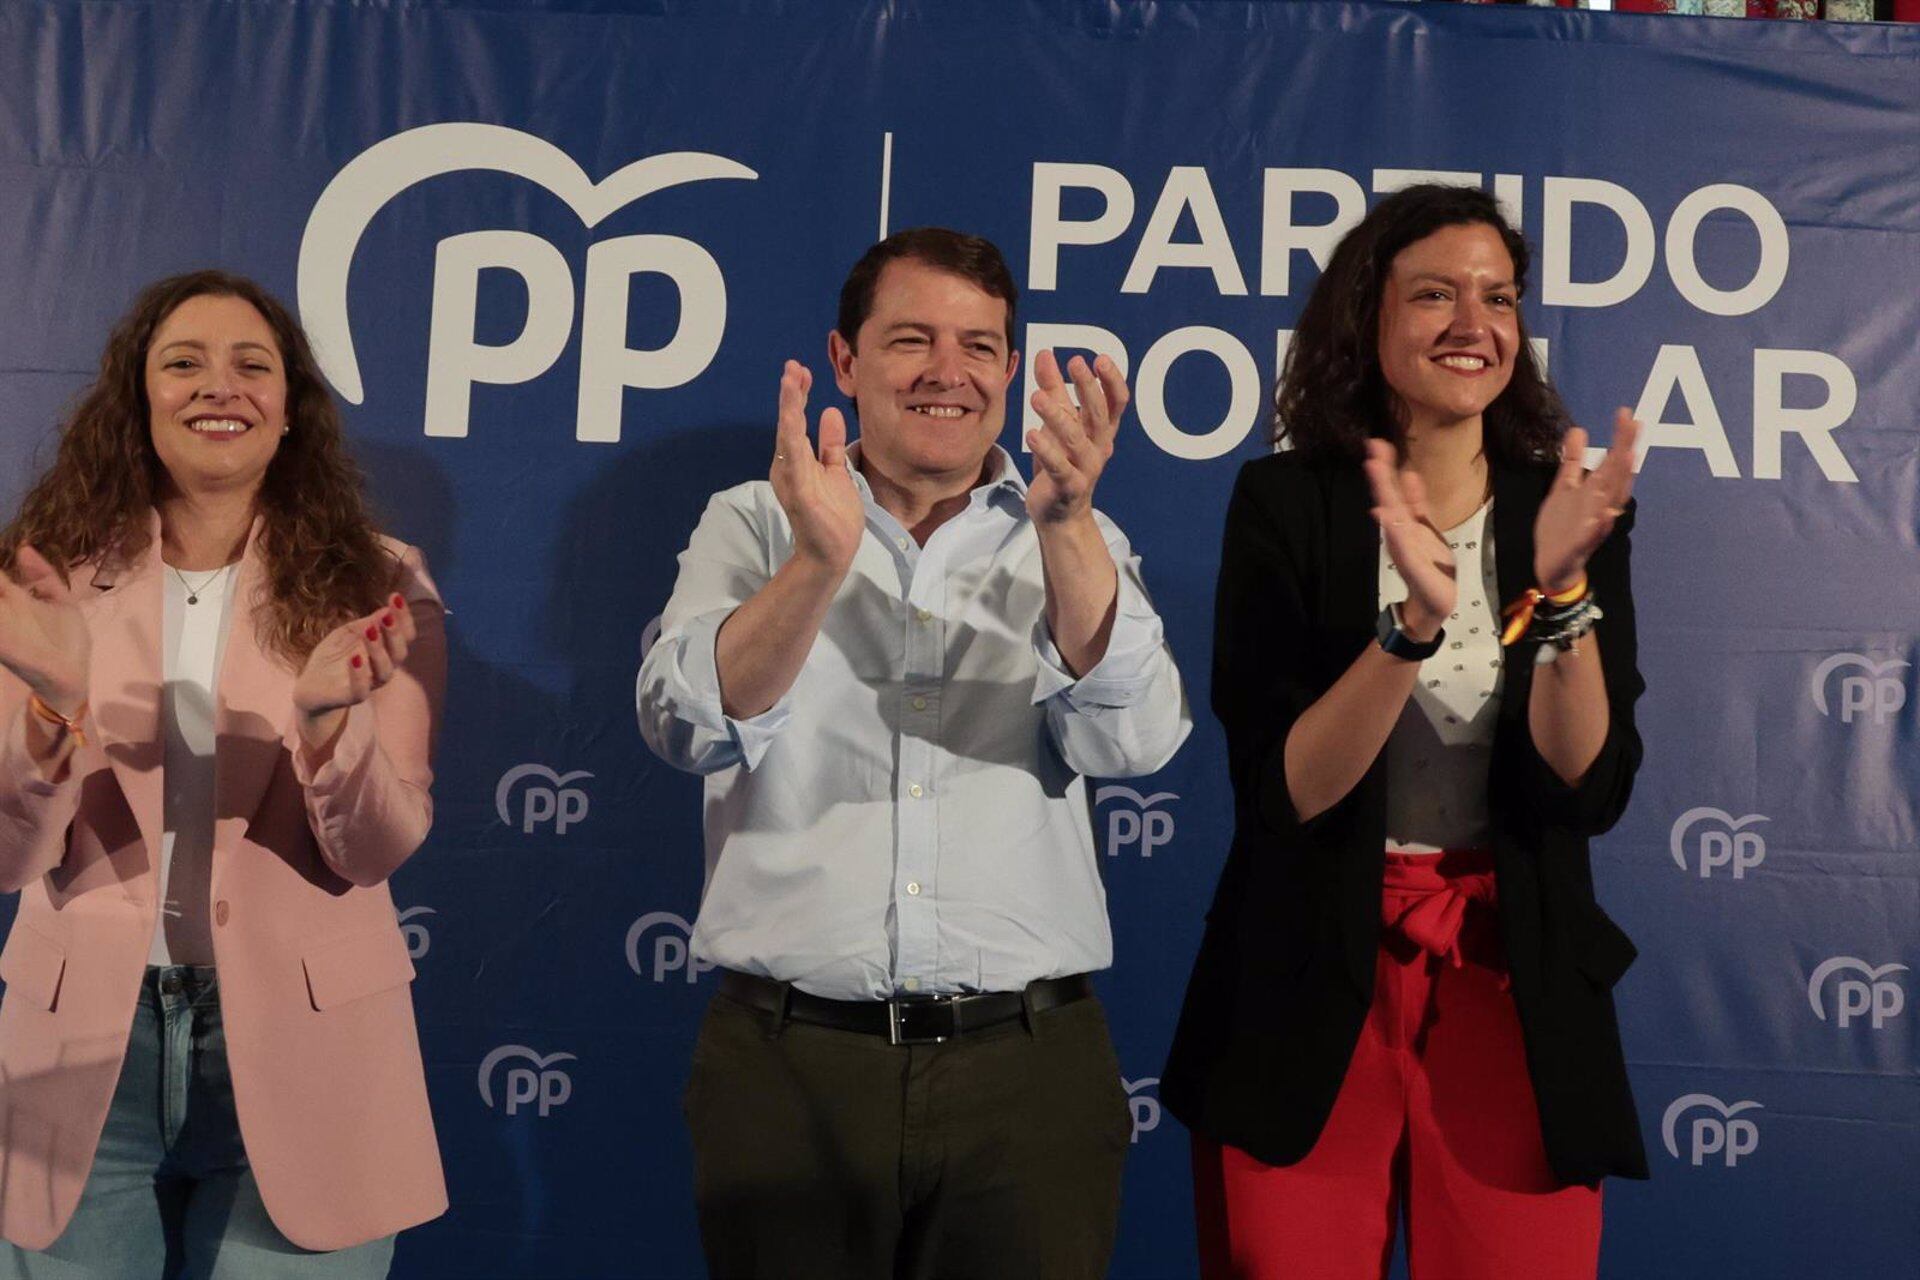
(195, 640)
(1439, 751)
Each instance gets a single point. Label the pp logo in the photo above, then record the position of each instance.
(1876, 995)
(1726, 844)
(1872, 690)
(558, 801)
(672, 952)
(1718, 1132)
(455, 359)
(1139, 822)
(1144, 1104)
(538, 1084)
(414, 930)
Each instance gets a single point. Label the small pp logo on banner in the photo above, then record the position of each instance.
(558, 801)
(1719, 1131)
(1875, 995)
(1144, 1100)
(414, 929)
(1719, 840)
(671, 951)
(1865, 690)
(1139, 822)
(534, 1084)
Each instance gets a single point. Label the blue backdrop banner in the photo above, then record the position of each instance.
(554, 256)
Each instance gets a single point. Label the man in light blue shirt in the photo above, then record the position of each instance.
(894, 662)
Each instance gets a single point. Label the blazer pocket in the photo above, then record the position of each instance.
(1607, 952)
(32, 966)
(351, 968)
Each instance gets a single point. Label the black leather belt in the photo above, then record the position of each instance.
(905, 1019)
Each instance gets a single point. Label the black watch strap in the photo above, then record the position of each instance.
(1399, 643)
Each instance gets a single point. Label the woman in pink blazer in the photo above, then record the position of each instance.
(219, 688)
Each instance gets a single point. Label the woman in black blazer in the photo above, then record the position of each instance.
(1402, 1000)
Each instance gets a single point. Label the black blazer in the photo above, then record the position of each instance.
(1284, 977)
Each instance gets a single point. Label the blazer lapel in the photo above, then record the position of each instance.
(1517, 493)
(127, 655)
(1353, 561)
(252, 702)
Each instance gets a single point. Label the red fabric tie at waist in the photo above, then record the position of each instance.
(1424, 896)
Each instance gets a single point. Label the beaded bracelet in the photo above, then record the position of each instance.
(1555, 621)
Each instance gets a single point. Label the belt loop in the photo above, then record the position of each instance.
(1028, 1017)
(779, 1011)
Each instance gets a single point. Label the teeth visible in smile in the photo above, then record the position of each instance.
(1463, 362)
(218, 426)
(941, 410)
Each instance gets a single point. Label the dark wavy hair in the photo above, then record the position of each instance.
(324, 560)
(969, 257)
(1332, 397)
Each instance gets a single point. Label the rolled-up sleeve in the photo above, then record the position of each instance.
(1128, 714)
(678, 691)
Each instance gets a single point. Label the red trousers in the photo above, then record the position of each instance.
(1436, 1118)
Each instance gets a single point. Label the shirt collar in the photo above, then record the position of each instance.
(1003, 477)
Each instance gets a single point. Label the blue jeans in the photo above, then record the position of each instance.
(171, 1196)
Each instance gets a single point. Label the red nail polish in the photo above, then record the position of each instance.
(372, 633)
(354, 661)
(399, 601)
(386, 619)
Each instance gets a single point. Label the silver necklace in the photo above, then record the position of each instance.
(193, 591)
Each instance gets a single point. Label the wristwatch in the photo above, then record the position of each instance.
(1401, 645)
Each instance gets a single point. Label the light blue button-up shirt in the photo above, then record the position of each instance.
(912, 816)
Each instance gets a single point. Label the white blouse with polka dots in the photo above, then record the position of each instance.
(1439, 752)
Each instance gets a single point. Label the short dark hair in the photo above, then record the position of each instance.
(969, 257)
(1332, 397)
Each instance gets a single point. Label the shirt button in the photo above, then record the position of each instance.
(900, 543)
(919, 704)
(221, 911)
(913, 888)
(914, 790)
(911, 984)
(924, 615)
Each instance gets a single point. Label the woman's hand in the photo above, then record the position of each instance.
(1415, 546)
(43, 637)
(348, 665)
(1582, 505)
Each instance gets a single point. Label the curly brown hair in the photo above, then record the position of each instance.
(324, 560)
(1331, 397)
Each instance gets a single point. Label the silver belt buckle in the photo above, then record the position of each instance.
(896, 1034)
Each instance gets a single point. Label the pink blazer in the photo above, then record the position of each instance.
(314, 972)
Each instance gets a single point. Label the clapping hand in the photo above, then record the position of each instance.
(1414, 544)
(355, 659)
(1582, 505)
(815, 490)
(43, 637)
(1071, 447)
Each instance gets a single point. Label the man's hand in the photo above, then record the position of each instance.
(1072, 445)
(815, 490)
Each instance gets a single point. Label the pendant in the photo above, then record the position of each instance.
(193, 599)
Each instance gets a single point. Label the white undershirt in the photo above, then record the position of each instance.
(1439, 751)
(196, 638)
